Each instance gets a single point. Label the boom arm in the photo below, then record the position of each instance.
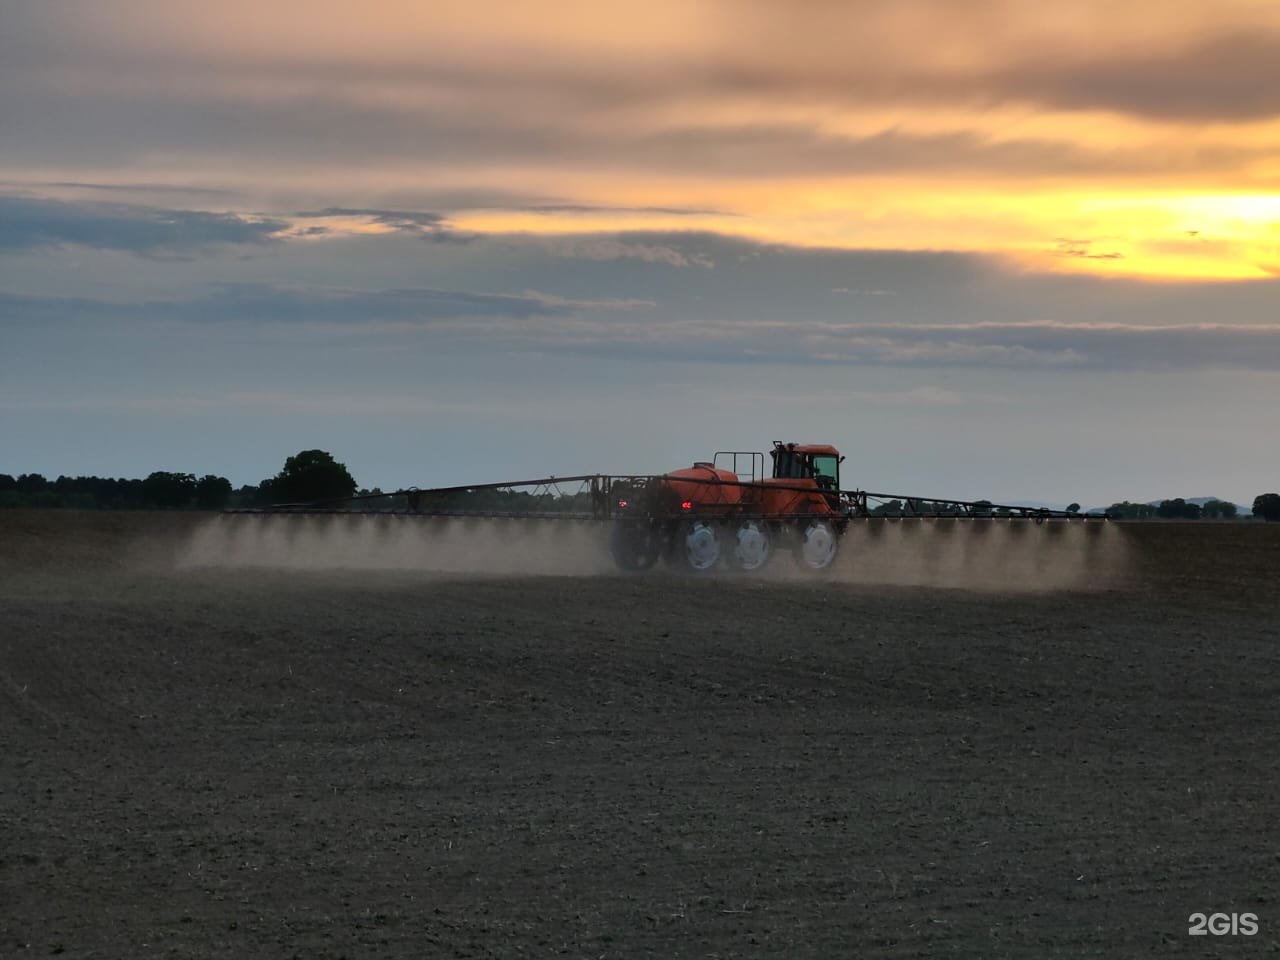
(591, 496)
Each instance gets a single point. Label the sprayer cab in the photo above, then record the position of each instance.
(819, 462)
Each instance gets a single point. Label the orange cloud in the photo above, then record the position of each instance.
(1091, 136)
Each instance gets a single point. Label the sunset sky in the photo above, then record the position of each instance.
(996, 249)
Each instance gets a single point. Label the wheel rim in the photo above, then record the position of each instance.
(752, 549)
(818, 546)
(701, 547)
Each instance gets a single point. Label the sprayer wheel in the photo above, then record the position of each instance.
(634, 546)
(751, 546)
(818, 546)
(699, 547)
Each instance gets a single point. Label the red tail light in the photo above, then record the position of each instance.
(687, 505)
(623, 504)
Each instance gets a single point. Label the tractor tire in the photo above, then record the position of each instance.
(698, 547)
(819, 543)
(750, 546)
(634, 546)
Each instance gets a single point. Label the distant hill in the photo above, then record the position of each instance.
(1197, 500)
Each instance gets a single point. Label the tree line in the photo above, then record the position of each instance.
(1175, 509)
(1266, 506)
(310, 475)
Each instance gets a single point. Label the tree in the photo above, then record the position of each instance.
(1219, 510)
(312, 475)
(165, 489)
(32, 483)
(1073, 508)
(264, 494)
(1267, 506)
(213, 493)
(1178, 509)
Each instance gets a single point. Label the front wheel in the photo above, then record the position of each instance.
(819, 543)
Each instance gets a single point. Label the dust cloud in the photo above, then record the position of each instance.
(986, 554)
(397, 542)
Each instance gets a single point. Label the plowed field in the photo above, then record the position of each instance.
(270, 760)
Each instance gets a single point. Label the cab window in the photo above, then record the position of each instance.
(827, 466)
(788, 465)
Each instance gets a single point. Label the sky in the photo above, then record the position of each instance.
(988, 249)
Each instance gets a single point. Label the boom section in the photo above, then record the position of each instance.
(663, 497)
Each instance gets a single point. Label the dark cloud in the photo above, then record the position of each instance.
(32, 224)
(635, 330)
(113, 187)
(1225, 71)
(21, 310)
(477, 199)
(789, 149)
(435, 227)
(533, 114)
(259, 132)
(1083, 250)
(1076, 345)
(553, 208)
(1227, 76)
(279, 304)
(259, 303)
(1235, 76)
(1012, 346)
(406, 221)
(646, 248)
(453, 200)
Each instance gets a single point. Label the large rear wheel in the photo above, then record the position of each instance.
(819, 543)
(634, 545)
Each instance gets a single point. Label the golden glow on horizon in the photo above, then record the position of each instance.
(1222, 237)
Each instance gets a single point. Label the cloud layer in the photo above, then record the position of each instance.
(639, 331)
(990, 126)
(32, 224)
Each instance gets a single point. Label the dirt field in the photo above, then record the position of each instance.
(270, 757)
